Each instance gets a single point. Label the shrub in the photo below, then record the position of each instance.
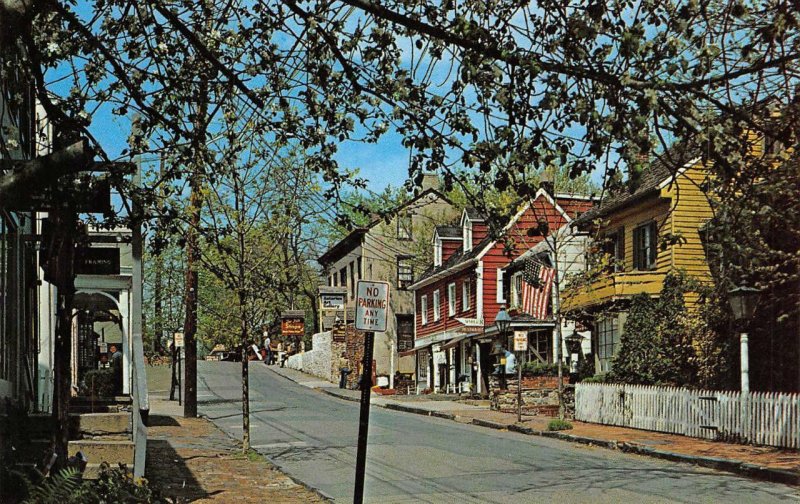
(598, 378)
(99, 383)
(540, 369)
(558, 425)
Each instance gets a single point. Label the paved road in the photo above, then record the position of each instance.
(412, 458)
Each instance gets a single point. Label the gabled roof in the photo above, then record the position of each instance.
(448, 232)
(660, 172)
(474, 214)
(461, 260)
(353, 239)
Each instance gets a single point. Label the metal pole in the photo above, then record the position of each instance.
(519, 387)
(363, 421)
(744, 362)
(180, 385)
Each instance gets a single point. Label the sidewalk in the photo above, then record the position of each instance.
(773, 464)
(191, 460)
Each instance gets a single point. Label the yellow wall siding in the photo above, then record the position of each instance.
(690, 210)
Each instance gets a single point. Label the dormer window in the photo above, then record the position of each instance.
(437, 252)
(467, 235)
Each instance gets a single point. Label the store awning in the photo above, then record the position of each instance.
(413, 351)
(455, 341)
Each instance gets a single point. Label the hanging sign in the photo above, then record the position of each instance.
(293, 323)
(372, 303)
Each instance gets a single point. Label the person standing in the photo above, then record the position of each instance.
(268, 348)
(116, 366)
(344, 369)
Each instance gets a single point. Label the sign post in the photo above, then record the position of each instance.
(372, 302)
(520, 345)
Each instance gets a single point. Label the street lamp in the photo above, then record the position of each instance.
(743, 301)
(502, 321)
(574, 346)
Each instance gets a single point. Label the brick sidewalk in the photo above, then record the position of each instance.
(761, 456)
(191, 459)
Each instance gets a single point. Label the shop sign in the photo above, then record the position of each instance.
(293, 323)
(97, 261)
(332, 301)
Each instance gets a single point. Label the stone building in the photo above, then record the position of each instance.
(388, 251)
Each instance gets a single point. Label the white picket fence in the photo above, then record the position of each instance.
(764, 418)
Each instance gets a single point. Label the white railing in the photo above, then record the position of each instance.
(141, 407)
(764, 418)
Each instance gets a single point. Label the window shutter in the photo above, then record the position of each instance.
(500, 294)
(653, 244)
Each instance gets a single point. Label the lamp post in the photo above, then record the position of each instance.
(743, 301)
(573, 342)
(503, 321)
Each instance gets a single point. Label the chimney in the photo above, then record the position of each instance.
(430, 181)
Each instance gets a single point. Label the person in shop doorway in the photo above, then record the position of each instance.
(116, 366)
(344, 369)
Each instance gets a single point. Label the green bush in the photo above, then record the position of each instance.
(68, 487)
(99, 383)
(598, 378)
(558, 425)
(540, 369)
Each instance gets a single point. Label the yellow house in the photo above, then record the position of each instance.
(645, 233)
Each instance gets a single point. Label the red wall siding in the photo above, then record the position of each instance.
(479, 231)
(445, 321)
(448, 247)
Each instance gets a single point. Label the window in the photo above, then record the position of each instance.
(353, 280)
(404, 224)
(436, 307)
(467, 232)
(501, 296)
(423, 309)
(608, 336)
(516, 290)
(405, 332)
(644, 246)
(405, 272)
(422, 365)
(358, 268)
(451, 299)
(466, 293)
(343, 277)
(539, 347)
(614, 246)
(437, 252)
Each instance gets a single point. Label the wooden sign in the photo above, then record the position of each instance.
(332, 301)
(293, 323)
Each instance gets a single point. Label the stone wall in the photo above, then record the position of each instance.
(319, 360)
(539, 394)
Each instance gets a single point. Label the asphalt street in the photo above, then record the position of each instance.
(412, 458)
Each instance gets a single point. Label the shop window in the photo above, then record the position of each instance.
(608, 341)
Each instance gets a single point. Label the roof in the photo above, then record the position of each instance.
(660, 170)
(353, 239)
(475, 214)
(458, 257)
(448, 231)
(460, 260)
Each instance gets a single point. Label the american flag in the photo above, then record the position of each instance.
(537, 280)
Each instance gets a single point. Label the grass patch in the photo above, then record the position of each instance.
(558, 425)
(251, 456)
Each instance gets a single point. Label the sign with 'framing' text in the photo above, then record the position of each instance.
(372, 303)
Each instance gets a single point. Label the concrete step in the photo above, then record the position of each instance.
(99, 424)
(115, 404)
(97, 451)
(92, 471)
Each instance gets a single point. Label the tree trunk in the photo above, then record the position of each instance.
(190, 323)
(245, 374)
(64, 223)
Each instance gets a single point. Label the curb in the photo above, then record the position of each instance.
(334, 394)
(727, 465)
